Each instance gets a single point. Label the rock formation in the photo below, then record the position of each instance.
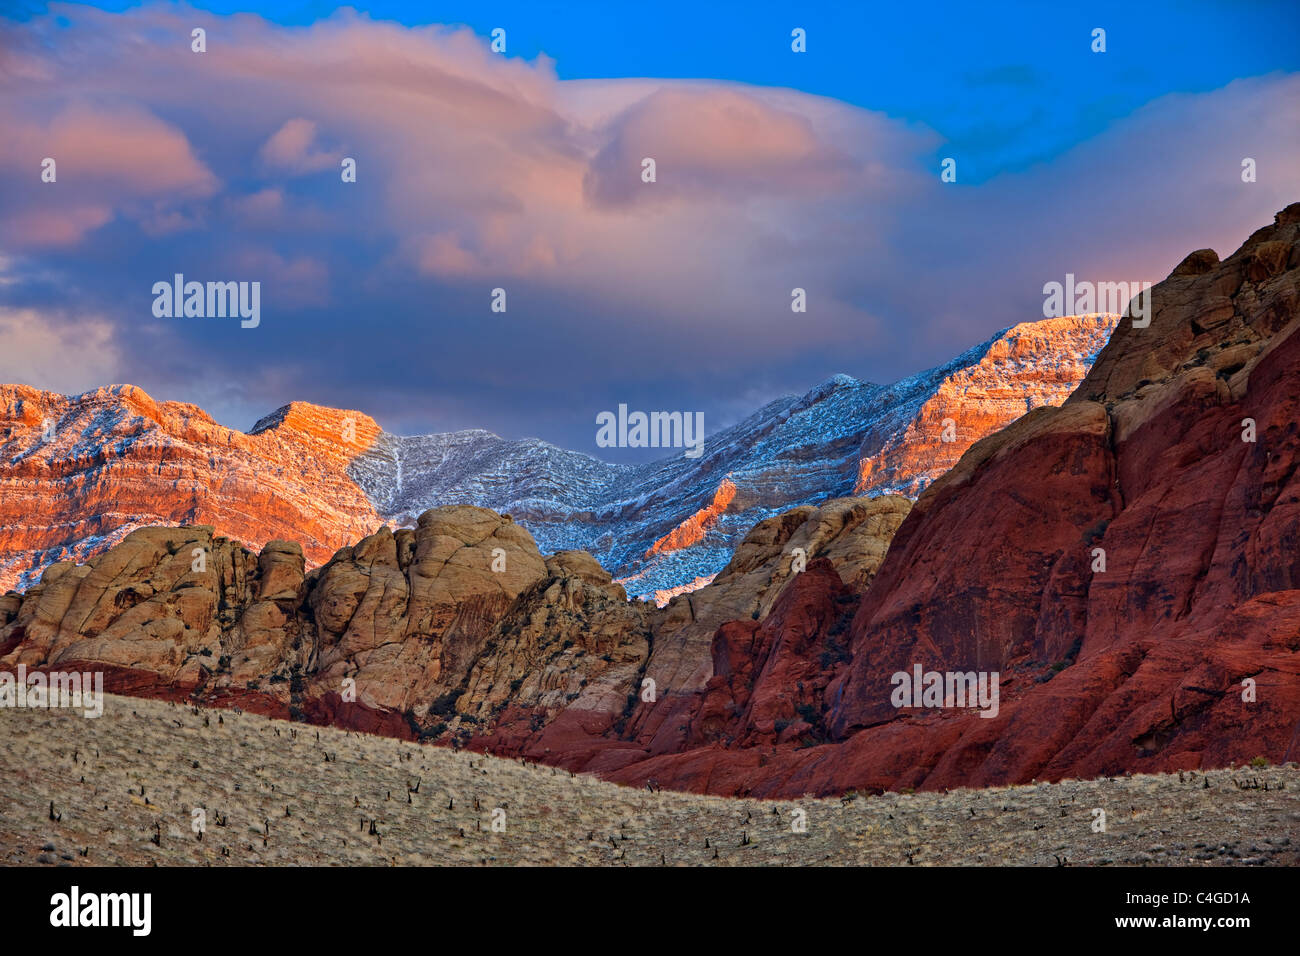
(78, 474)
(457, 630)
(1127, 563)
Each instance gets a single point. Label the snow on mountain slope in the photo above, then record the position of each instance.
(661, 525)
(114, 459)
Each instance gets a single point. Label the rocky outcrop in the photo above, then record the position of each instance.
(390, 624)
(1031, 365)
(561, 671)
(770, 677)
(457, 630)
(852, 534)
(693, 529)
(77, 474)
(1131, 543)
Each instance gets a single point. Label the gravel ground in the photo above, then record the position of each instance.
(123, 789)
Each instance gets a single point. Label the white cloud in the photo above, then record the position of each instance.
(56, 353)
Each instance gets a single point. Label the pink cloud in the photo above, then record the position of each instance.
(293, 147)
(51, 350)
(443, 255)
(259, 207)
(55, 225)
(107, 161)
(474, 166)
(124, 148)
(713, 144)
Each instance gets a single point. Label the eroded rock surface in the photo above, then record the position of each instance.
(457, 630)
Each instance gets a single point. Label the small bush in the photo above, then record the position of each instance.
(444, 706)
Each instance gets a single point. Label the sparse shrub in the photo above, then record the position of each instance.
(444, 706)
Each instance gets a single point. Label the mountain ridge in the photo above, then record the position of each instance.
(333, 475)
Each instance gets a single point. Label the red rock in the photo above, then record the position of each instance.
(992, 570)
(118, 460)
(769, 678)
(693, 529)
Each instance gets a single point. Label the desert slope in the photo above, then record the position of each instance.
(270, 797)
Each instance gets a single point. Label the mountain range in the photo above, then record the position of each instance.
(77, 474)
(1123, 565)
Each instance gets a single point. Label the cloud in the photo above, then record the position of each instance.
(263, 206)
(122, 148)
(714, 145)
(477, 171)
(55, 224)
(117, 159)
(293, 147)
(56, 352)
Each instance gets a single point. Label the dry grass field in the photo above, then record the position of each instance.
(123, 790)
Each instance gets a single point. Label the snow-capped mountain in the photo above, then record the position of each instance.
(663, 524)
(78, 473)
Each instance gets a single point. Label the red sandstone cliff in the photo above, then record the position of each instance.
(1137, 667)
(80, 473)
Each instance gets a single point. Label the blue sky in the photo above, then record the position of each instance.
(1006, 84)
(818, 170)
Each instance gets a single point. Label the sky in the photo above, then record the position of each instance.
(522, 170)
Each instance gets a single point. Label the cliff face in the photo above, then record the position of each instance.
(78, 474)
(374, 639)
(1029, 366)
(1000, 566)
(850, 535)
(1126, 563)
